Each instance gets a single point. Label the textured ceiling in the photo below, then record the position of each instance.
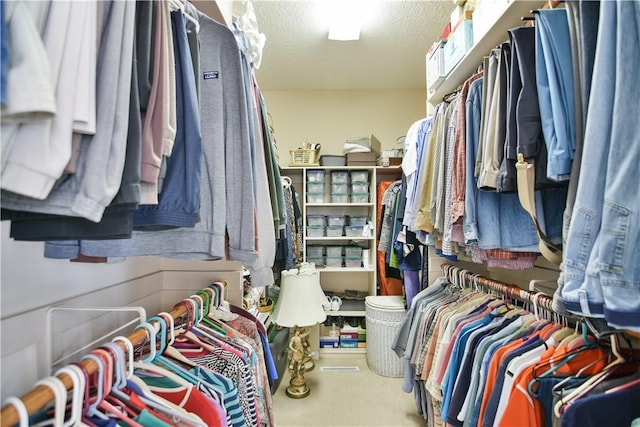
(390, 54)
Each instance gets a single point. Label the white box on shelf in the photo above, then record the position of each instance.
(485, 13)
(458, 44)
(435, 65)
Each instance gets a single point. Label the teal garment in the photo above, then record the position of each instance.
(147, 419)
(229, 391)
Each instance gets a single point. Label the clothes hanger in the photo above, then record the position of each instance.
(23, 414)
(75, 417)
(87, 398)
(179, 5)
(59, 390)
(92, 409)
(592, 382)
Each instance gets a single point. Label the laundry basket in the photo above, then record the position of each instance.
(384, 317)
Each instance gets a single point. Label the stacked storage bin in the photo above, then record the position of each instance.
(315, 186)
(339, 187)
(359, 186)
(334, 256)
(316, 225)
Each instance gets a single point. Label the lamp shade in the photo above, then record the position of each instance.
(300, 299)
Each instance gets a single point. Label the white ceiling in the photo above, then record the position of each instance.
(389, 55)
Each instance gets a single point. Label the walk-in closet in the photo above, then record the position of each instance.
(265, 213)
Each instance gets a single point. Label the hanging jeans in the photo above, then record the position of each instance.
(601, 268)
(554, 78)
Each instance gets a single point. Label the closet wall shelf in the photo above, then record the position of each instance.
(495, 34)
(342, 351)
(345, 269)
(325, 238)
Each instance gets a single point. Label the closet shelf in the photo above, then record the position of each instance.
(344, 269)
(339, 204)
(335, 351)
(309, 239)
(494, 35)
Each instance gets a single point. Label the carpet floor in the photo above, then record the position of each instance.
(345, 397)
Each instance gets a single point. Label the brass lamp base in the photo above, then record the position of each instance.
(298, 388)
(297, 364)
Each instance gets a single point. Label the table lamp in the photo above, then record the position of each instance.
(299, 306)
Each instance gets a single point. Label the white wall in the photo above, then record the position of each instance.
(330, 117)
(31, 284)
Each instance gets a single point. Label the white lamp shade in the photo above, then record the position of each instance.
(300, 298)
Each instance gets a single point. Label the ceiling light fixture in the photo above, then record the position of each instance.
(345, 20)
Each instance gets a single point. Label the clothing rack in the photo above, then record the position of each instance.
(41, 395)
(460, 276)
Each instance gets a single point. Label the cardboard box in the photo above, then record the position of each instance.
(348, 343)
(369, 142)
(329, 342)
(361, 159)
(458, 44)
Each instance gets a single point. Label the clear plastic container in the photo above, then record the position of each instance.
(352, 262)
(353, 231)
(339, 188)
(358, 220)
(334, 251)
(316, 220)
(336, 220)
(315, 187)
(352, 252)
(340, 198)
(359, 187)
(319, 261)
(359, 176)
(315, 176)
(315, 197)
(333, 261)
(315, 231)
(314, 251)
(359, 197)
(334, 230)
(339, 177)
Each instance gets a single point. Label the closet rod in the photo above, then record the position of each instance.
(454, 274)
(36, 399)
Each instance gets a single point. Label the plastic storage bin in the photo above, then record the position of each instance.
(315, 197)
(340, 177)
(384, 315)
(352, 252)
(315, 176)
(353, 231)
(334, 230)
(333, 261)
(316, 220)
(336, 220)
(339, 188)
(319, 262)
(352, 262)
(334, 251)
(359, 197)
(315, 231)
(358, 220)
(314, 251)
(359, 187)
(359, 176)
(315, 187)
(339, 198)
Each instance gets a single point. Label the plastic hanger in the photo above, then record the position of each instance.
(60, 400)
(179, 5)
(592, 382)
(93, 406)
(129, 345)
(23, 414)
(75, 417)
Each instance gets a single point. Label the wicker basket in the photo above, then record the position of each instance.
(304, 157)
(384, 317)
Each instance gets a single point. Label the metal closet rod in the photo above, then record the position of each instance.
(455, 274)
(36, 399)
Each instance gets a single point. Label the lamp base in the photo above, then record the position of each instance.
(297, 385)
(297, 391)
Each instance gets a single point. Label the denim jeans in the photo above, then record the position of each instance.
(602, 272)
(554, 78)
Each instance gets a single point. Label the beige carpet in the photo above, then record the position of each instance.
(341, 398)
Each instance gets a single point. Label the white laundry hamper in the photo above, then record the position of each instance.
(384, 317)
